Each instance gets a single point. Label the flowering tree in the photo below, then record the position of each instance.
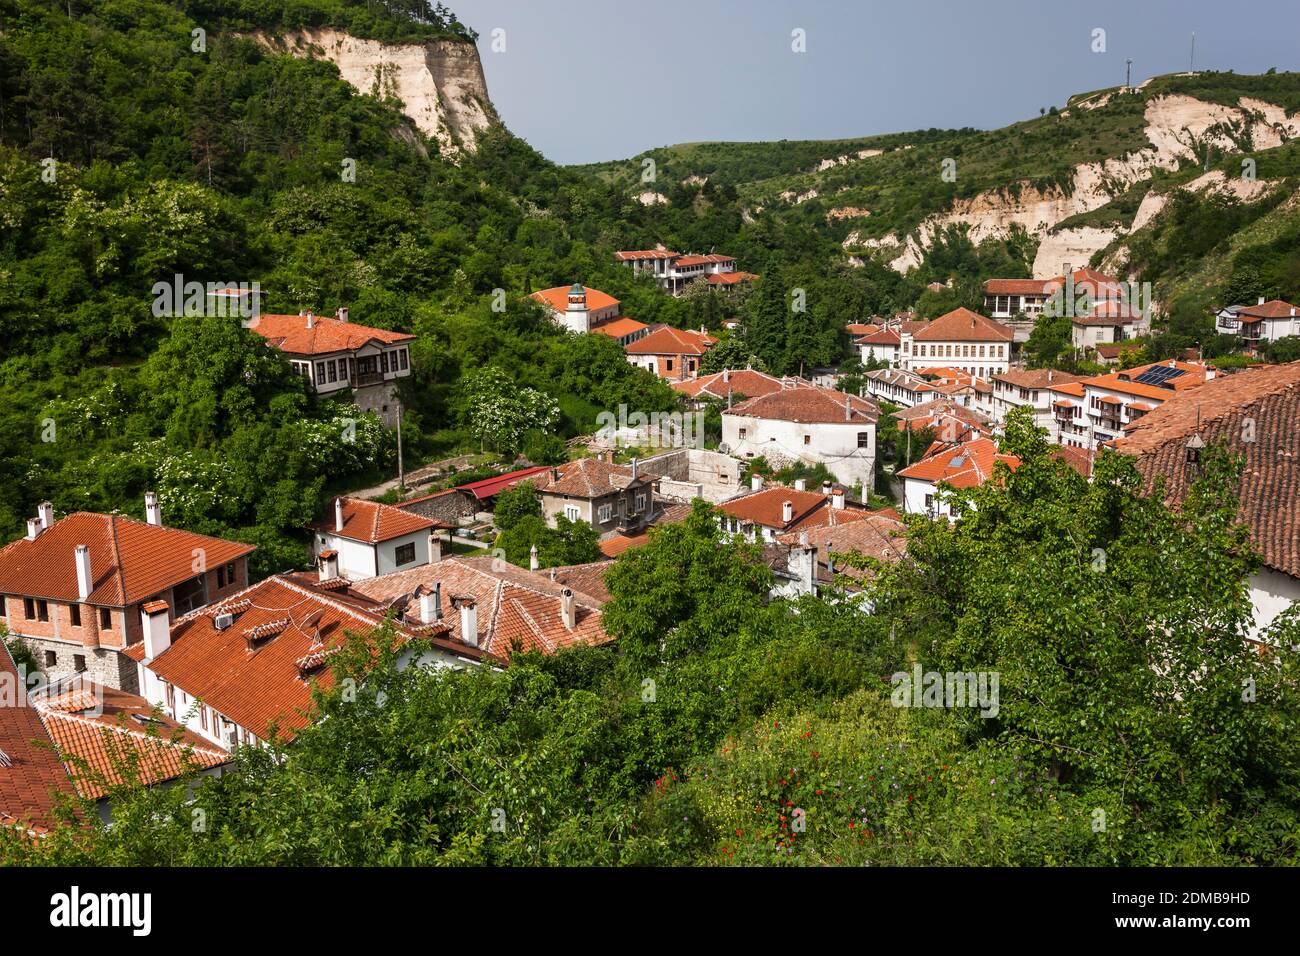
(500, 412)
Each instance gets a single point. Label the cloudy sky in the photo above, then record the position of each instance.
(589, 80)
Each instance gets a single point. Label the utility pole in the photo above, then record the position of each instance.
(401, 472)
(1192, 63)
(1128, 73)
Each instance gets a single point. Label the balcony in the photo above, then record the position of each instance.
(359, 379)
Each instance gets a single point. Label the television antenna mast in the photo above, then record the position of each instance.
(1192, 63)
(1128, 73)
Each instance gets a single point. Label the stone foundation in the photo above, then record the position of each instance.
(103, 665)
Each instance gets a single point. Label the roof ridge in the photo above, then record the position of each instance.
(117, 558)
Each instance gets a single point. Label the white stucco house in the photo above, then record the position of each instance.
(366, 538)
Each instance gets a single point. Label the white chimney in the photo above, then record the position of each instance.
(155, 618)
(469, 621)
(435, 547)
(311, 320)
(85, 580)
(802, 562)
(634, 469)
(329, 565)
(800, 484)
(837, 501)
(338, 514)
(45, 511)
(566, 608)
(848, 409)
(533, 563)
(756, 482)
(787, 512)
(33, 528)
(726, 375)
(1261, 301)
(152, 510)
(342, 313)
(826, 488)
(431, 604)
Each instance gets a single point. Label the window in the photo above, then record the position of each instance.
(230, 573)
(320, 373)
(742, 434)
(331, 369)
(221, 577)
(668, 364)
(864, 439)
(981, 351)
(405, 553)
(76, 615)
(203, 717)
(640, 498)
(105, 618)
(807, 439)
(29, 609)
(402, 357)
(571, 512)
(171, 697)
(383, 362)
(51, 659)
(42, 611)
(79, 663)
(606, 512)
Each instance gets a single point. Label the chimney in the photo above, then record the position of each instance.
(311, 320)
(328, 563)
(634, 469)
(84, 578)
(435, 547)
(800, 484)
(837, 500)
(342, 313)
(1261, 301)
(826, 488)
(726, 375)
(431, 604)
(338, 514)
(566, 608)
(45, 511)
(33, 528)
(755, 482)
(152, 510)
(848, 409)
(533, 563)
(802, 562)
(155, 619)
(468, 620)
(787, 512)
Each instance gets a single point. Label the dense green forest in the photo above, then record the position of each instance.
(724, 728)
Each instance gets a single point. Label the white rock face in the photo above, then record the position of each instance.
(440, 83)
(1178, 128)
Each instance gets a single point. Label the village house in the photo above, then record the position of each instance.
(948, 420)
(883, 344)
(75, 739)
(1009, 298)
(813, 557)
(966, 464)
(806, 424)
(1260, 323)
(1108, 323)
(72, 589)
(1115, 400)
(959, 386)
(961, 339)
(239, 669)
(611, 498)
(672, 354)
(366, 538)
(582, 310)
(898, 386)
(1254, 415)
(465, 503)
(1070, 426)
(1028, 387)
(500, 608)
(674, 271)
(766, 513)
(334, 354)
(729, 385)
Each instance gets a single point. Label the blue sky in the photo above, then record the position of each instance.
(588, 80)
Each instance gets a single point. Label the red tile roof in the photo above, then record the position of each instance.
(646, 254)
(616, 544)
(883, 336)
(1273, 309)
(943, 414)
(1015, 287)
(372, 521)
(617, 328)
(1036, 378)
(1270, 482)
(514, 605)
(260, 682)
(767, 507)
(589, 478)
(965, 466)
(101, 732)
(31, 774)
(289, 333)
(872, 533)
(129, 560)
(490, 487)
(808, 404)
(742, 382)
(963, 325)
(730, 278)
(711, 258)
(667, 340)
(558, 298)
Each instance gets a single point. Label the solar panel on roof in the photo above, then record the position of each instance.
(1158, 375)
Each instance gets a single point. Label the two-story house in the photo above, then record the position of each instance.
(674, 271)
(1031, 387)
(334, 354)
(611, 498)
(961, 339)
(1114, 401)
(72, 589)
(672, 354)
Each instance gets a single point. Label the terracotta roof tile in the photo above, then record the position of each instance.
(289, 333)
(667, 340)
(808, 404)
(588, 478)
(966, 465)
(558, 298)
(31, 774)
(963, 325)
(129, 560)
(742, 382)
(767, 507)
(372, 521)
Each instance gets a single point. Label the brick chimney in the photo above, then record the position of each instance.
(566, 608)
(85, 580)
(152, 510)
(45, 512)
(338, 514)
(155, 619)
